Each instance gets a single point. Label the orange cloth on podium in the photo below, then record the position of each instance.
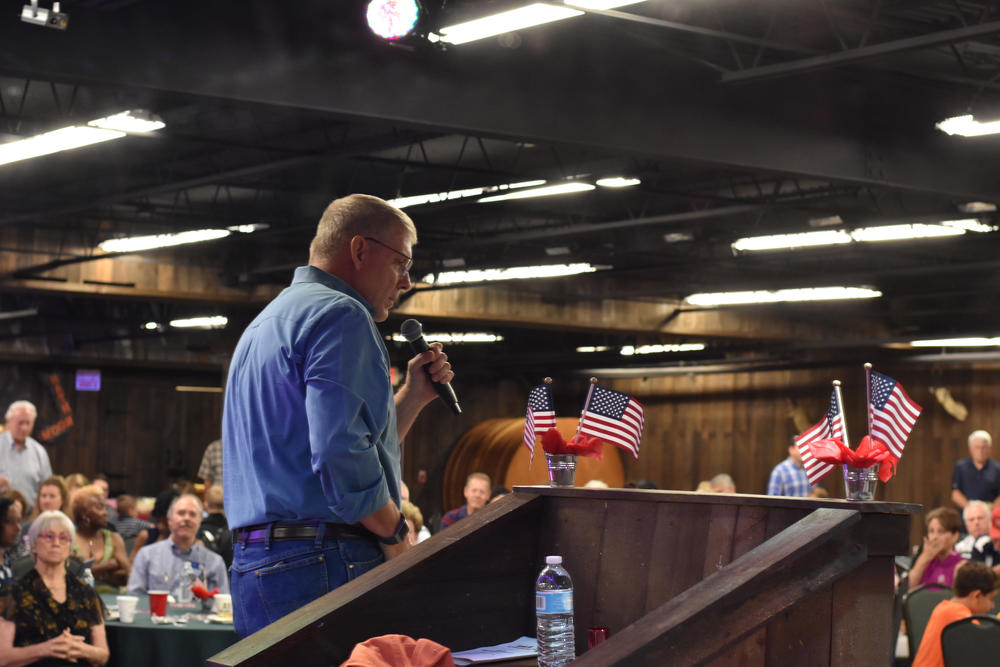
(399, 651)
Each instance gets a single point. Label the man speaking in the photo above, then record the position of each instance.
(311, 429)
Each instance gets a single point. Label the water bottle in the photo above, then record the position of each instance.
(188, 577)
(88, 577)
(554, 614)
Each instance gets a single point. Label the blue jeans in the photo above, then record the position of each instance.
(270, 580)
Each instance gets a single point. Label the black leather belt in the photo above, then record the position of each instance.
(301, 531)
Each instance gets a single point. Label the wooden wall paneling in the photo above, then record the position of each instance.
(870, 588)
(809, 618)
(681, 544)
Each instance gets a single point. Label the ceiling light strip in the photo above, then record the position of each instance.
(758, 297)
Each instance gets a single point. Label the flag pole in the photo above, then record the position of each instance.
(868, 395)
(586, 405)
(840, 406)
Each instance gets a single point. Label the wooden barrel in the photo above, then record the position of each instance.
(496, 448)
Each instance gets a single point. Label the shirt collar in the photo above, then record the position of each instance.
(176, 549)
(311, 274)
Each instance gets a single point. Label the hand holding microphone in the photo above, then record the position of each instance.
(413, 332)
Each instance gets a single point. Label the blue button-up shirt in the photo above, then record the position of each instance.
(309, 424)
(160, 566)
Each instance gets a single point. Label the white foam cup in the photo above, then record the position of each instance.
(223, 604)
(126, 607)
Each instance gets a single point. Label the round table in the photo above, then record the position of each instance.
(145, 643)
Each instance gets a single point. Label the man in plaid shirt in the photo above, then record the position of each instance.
(789, 477)
(210, 470)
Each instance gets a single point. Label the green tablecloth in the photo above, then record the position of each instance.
(143, 643)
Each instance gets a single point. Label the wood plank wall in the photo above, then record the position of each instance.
(140, 431)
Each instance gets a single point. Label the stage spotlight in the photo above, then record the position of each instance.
(392, 19)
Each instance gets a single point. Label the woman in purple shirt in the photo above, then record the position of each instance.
(938, 559)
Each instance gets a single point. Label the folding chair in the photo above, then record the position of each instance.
(971, 642)
(917, 608)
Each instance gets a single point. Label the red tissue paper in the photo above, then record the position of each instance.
(871, 451)
(581, 445)
(203, 593)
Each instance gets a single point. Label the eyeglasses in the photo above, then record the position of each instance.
(404, 268)
(62, 538)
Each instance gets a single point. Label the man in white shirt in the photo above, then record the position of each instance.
(977, 524)
(24, 463)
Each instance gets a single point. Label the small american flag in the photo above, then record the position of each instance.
(831, 425)
(893, 413)
(615, 417)
(540, 416)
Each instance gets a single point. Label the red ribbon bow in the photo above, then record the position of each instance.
(589, 446)
(871, 451)
(203, 593)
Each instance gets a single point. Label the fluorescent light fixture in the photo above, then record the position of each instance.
(453, 262)
(557, 251)
(437, 197)
(587, 349)
(630, 350)
(453, 338)
(826, 221)
(151, 326)
(958, 342)
(138, 121)
(788, 241)
(678, 237)
(967, 126)
(618, 182)
(248, 229)
(210, 322)
(545, 191)
(905, 232)
(781, 296)
(76, 136)
(137, 243)
(528, 16)
(513, 273)
(977, 207)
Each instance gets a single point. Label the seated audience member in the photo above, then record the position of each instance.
(52, 496)
(95, 542)
(975, 592)
(129, 525)
(101, 482)
(215, 533)
(723, 483)
(160, 565)
(210, 469)
(19, 549)
(50, 617)
(498, 492)
(476, 493)
(10, 531)
(704, 486)
(988, 552)
(160, 529)
(75, 481)
(977, 524)
(415, 519)
(977, 477)
(595, 484)
(938, 559)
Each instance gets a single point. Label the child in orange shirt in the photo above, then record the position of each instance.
(975, 589)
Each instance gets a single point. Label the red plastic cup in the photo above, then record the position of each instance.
(596, 635)
(158, 603)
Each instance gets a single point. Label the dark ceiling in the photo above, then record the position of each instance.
(740, 118)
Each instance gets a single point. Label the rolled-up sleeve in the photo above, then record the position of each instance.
(348, 401)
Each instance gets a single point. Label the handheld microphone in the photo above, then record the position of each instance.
(414, 335)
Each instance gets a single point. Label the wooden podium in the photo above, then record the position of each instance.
(679, 578)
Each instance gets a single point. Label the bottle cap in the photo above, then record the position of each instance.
(553, 560)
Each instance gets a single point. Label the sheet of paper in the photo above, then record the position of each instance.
(522, 647)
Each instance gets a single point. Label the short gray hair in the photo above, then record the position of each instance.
(980, 434)
(722, 480)
(975, 503)
(196, 499)
(47, 519)
(21, 405)
(355, 215)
